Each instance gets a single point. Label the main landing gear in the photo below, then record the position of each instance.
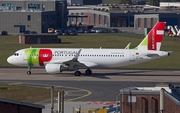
(29, 70)
(88, 72)
(78, 73)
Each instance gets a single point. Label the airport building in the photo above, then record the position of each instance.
(124, 15)
(163, 98)
(12, 106)
(85, 2)
(17, 16)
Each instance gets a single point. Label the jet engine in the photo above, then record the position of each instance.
(56, 68)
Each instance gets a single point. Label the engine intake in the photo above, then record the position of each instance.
(55, 68)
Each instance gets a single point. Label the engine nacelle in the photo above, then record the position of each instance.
(55, 68)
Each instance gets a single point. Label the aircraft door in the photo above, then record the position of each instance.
(132, 56)
(24, 56)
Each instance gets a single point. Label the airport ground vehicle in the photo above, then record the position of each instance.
(51, 30)
(4, 33)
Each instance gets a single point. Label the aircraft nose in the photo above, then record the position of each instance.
(10, 60)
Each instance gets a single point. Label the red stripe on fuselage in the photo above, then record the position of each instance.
(45, 55)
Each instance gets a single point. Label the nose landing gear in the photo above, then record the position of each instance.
(29, 70)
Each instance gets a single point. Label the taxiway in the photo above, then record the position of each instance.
(102, 85)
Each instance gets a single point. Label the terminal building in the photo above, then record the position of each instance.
(17, 16)
(124, 15)
(85, 2)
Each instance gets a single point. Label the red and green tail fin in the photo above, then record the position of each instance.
(153, 39)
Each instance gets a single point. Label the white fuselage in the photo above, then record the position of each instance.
(92, 57)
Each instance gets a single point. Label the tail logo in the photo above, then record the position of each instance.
(153, 40)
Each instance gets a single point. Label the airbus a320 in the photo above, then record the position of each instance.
(57, 60)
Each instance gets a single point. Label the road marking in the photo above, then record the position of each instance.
(55, 86)
(15, 83)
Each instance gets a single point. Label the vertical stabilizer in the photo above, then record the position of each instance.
(153, 39)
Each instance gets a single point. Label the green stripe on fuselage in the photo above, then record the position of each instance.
(32, 56)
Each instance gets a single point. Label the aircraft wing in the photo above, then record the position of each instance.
(74, 62)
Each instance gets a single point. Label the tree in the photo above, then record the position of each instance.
(125, 2)
(154, 2)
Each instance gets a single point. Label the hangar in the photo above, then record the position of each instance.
(17, 16)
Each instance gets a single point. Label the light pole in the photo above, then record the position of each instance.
(117, 101)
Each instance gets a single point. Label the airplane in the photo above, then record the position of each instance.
(57, 60)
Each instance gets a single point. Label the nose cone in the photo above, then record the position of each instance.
(10, 60)
(15, 60)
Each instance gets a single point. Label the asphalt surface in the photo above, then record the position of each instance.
(102, 85)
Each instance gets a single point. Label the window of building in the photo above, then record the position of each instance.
(104, 20)
(152, 22)
(77, 15)
(43, 17)
(34, 6)
(145, 22)
(99, 19)
(139, 23)
(47, 17)
(72, 19)
(29, 17)
(82, 19)
(43, 7)
(18, 8)
(53, 17)
(94, 19)
(10, 6)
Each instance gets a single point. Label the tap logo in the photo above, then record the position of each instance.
(173, 31)
(45, 55)
(38, 56)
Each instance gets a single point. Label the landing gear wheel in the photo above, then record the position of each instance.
(77, 73)
(88, 72)
(28, 72)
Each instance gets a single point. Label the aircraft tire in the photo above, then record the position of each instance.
(88, 72)
(28, 72)
(77, 73)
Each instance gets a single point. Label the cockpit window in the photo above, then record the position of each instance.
(16, 54)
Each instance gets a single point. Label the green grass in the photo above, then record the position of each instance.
(25, 94)
(9, 44)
